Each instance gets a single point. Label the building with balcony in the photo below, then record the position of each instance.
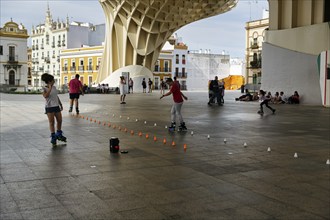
(172, 62)
(48, 39)
(299, 32)
(13, 56)
(84, 61)
(255, 34)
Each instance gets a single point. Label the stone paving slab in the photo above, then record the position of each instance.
(212, 179)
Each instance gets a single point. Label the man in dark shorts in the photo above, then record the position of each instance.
(75, 89)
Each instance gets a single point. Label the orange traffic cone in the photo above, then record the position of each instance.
(173, 144)
(185, 147)
(155, 138)
(164, 141)
(147, 136)
(132, 132)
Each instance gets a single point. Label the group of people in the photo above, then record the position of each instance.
(278, 98)
(54, 106)
(216, 91)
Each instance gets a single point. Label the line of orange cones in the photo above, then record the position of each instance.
(125, 130)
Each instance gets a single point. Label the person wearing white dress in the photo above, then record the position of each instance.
(122, 89)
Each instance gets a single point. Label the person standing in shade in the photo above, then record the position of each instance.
(162, 87)
(122, 88)
(130, 85)
(178, 97)
(53, 108)
(150, 86)
(214, 89)
(75, 89)
(144, 85)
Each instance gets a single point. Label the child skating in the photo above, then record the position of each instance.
(264, 101)
(178, 97)
(53, 108)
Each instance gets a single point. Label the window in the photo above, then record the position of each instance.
(166, 64)
(157, 66)
(11, 53)
(81, 64)
(183, 59)
(90, 64)
(1, 50)
(177, 58)
(12, 77)
(90, 80)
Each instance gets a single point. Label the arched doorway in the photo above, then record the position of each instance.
(12, 77)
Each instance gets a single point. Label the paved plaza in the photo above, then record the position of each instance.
(208, 179)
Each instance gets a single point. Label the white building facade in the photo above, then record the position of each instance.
(50, 38)
(13, 56)
(204, 66)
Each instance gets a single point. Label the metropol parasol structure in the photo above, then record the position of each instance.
(295, 51)
(136, 31)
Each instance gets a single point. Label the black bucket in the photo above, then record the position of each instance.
(114, 145)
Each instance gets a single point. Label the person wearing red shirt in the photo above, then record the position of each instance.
(75, 89)
(178, 97)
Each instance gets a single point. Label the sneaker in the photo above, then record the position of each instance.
(70, 109)
(77, 111)
(274, 110)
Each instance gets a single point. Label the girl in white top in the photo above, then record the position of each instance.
(122, 89)
(53, 108)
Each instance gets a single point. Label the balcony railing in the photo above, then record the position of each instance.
(90, 67)
(37, 47)
(163, 69)
(12, 58)
(47, 59)
(181, 75)
(81, 68)
(72, 68)
(65, 69)
(255, 64)
(42, 46)
(254, 46)
(53, 45)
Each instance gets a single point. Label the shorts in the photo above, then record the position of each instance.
(74, 95)
(52, 109)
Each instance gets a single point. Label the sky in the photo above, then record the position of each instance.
(221, 33)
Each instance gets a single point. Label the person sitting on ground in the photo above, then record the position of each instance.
(294, 99)
(246, 97)
(269, 95)
(98, 88)
(283, 98)
(276, 98)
